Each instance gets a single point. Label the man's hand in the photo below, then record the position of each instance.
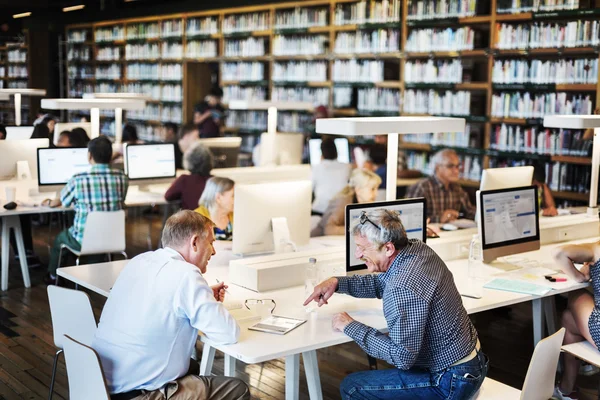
(323, 291)
(585, 271)
(219, 291)
(550, 212)
(340, 321)
(448, 216)
(51, 203)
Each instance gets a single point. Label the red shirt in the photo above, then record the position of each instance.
(188, 189)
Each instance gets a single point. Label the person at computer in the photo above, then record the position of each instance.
(361, 188)
(99, 189)
(188, 188)
(149, 325)
(546, 201)
(216, 204)
(446, 199)
(74, 138)
(431, 341)
(170, 132)
(188, 136)
(328, 177)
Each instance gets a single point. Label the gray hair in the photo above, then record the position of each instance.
(214, 186)
(181, 226)
(441, 156)
(360, 178)
(389, 228)
(198, 160)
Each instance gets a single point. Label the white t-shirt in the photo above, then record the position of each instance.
(151, 319)
(328, 178)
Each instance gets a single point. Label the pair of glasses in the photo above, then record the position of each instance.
(364, 219)
(453, 166)
(250, 303)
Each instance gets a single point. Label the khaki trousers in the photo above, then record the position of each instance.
(194, 387)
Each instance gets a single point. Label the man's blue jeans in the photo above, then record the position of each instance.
(453, 383)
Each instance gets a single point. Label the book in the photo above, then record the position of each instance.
(277, 324)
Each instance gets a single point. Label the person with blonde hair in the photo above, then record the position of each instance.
(216, 204)
(362, 188)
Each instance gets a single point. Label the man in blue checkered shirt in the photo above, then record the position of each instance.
(99, 189)
(431, 340)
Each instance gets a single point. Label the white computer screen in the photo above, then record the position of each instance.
(509, 215)
(341, 144)
(412, 214)
(147, 161)
(57, 166)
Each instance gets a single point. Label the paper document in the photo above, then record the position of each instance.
(509, 285)
(277, 324)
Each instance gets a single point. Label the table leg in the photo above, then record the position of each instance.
(15, 223)
(206, 363)
(550, 314)
(292, 377)
(538, 320)
(5, 252)
(17, 97)
(313, 379)
(229, 365)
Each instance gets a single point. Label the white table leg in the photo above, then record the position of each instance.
(538, 320)
(17, 109)
(5, 252)
(392, 167)
(95, 120)
(208, 357)
(229, 365)
(15, 223)
(118, 125)
(313, 379)
(549, 305)
(292, 377)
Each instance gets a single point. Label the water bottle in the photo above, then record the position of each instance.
(475, 272)
(310, 281)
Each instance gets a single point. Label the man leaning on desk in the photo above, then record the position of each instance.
(446, 199)
(149, 325)
(431, 340)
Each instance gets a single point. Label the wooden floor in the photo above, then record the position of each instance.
(27, 350)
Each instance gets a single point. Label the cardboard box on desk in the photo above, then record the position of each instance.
(279, 271)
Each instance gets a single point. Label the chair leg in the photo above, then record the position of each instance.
(60, 258)
(109, 257)
(77, 261)
(53, 374)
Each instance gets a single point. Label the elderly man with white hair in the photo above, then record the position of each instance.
(150, 323)
(431, 342)
(446, 199)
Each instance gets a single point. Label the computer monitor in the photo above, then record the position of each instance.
(273, 216)
(56, 166)
(19, 132)
(265, 174)
(150, 161)
(341, 144)
(413, 215)
(69, 126)
(13, 151)
(504, 178)
(509, 221)
(281, 149)
(225, 150)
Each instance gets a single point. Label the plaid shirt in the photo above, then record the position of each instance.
(100, 189)
(428, 325)
(439, 199)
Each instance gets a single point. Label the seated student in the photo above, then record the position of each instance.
(170, 132)
(209, 114)
(41, 131)
(188, 188)
(216, 204)
(328, 177)
(99, 189)
(188, 136)
(129, 136)
(545, 198)
(79, 137)
(377, 162)
(581, 319)
(150, 322)
(2, 132)
(445, 198)
(361, 188)
(431, 341)
(64, 140)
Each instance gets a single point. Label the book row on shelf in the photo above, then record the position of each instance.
(378, 99)
(258, 21)
(470, 166)
(108, 54)
(449, 139)
(158, 92)
(164, 72)
(539, 141)
(202, 26)
(519, 6)
(17, 55)
(153, 51)
(109, 34)
(528, 105)
(291, 122)
(77, 36)
(108, 72)
(252, 93)
(561, 71)
(367, 12)
(244, 71)
(548, 34)
(143, 31)
(357, 71)
(75, 53)
(2, 72)
(201, 48)
(245, 47)
(435, 9)
(22, 84)
(85, 72)
(300, 71)
(342, 97)
(437, 102)
(284, 45)
(316, 96)
(376, 41)
(17, 71)
(172, 28)
(301, 18)
(439, 39)
(432, 71)
(155, 112)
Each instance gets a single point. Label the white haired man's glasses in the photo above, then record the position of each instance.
(364, 219)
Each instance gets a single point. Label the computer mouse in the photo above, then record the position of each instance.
(449, 227)
(10, 206)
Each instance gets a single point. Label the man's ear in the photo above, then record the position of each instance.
(194, 242)
(389, 249)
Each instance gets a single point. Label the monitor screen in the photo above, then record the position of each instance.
(57, 166)
(149, 161)
(412, 214)
(509, 216)
(341, 144)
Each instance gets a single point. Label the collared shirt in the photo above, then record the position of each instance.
(150, 322)
(100, 189)
(440, 199)
(428, 325)
(328, 179)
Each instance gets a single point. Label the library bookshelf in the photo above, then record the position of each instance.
(15, 72)
(367, 58)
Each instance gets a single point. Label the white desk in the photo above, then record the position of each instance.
(17, 93)
(256, 347)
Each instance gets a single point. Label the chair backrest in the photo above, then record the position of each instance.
(104, 232)
(86, 379)
(71, 314)
(539, 381)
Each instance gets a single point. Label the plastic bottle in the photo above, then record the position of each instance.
(475, 272)
(310, 281)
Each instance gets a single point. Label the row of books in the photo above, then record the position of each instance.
(376, 41)
(546, 71)
(470, 166)
(245, 48)
(149, 113)
(172, 28)
(449, 139)
(439, 39)
(316, 96)
(357, 71)
(301, 18)
(201, 48)
(17, 71)
(78, 53)
(108, 54)
(379, 99)
(246, 119)
(2, 72)
(73, 72)
(244, 71)
(109, 34)
(293, 122)
(143, 31)
(367, 12)
(78, 36)
(342, 97)
(433, 71)
(548, 34)
(300, 45)
(539, 140)
(519, 6)
(247, 93)
(257, 21)
(300, 71)
(108, 72)
(19, 85)
(528, 105)
(17, 55)
(165, 72)
(152, 51)
(437, 102)
(77, 89)
(437, 9)
(202, 26)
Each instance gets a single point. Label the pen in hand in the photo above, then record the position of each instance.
(226, 291)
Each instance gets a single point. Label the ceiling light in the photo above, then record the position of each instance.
(22, 15)
(73, 8)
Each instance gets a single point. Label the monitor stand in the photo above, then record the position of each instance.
(143, 187)
(23, 171)
(282, 242)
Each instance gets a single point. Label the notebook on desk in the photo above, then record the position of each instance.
(277, 325)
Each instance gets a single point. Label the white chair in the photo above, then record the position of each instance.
(72, 315)
(494, 390)
(86, 378)
(584, 351)
(104, 233)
